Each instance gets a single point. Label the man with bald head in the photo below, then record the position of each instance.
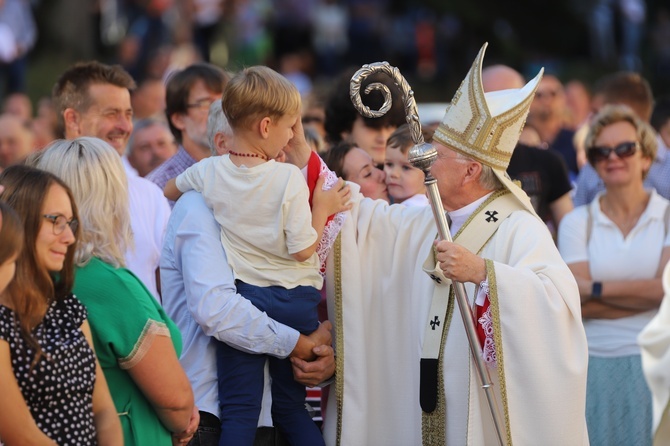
(542, 173)
(501, 77)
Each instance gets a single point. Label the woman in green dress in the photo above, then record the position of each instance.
(137, 344)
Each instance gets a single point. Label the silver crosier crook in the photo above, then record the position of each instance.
(422, 156)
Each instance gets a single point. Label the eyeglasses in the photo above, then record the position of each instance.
(60, 222)
(623, 150)
(202, 104)
(547, 94)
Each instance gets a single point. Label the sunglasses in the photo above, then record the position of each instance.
(623, 150)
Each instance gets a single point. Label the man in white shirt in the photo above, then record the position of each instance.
(93, 99)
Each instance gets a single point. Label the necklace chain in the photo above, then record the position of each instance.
(626, 224)
(249, 155)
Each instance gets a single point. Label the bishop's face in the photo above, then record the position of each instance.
(449, 171)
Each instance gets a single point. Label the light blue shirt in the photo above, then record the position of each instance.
(199, 295)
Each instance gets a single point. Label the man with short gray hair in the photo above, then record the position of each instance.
(151, 143)
(219, 132)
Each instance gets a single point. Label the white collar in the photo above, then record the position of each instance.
(460, 216)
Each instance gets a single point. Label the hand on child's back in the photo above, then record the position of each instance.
(334, 200)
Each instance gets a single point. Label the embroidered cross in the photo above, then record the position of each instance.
(491, 216)
(435, 322)
(435, 278)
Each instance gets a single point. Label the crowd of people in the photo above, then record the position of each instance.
(180, 261)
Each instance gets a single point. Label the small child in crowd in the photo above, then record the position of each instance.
(270, 237)
(405, 182)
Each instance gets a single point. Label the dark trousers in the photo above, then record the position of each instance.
(241, 374)
(209, 433)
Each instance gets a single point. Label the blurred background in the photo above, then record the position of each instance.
(432, 42)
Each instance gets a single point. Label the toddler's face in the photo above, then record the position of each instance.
(280, 133)
(402, 179)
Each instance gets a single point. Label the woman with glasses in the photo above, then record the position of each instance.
(137, 344)
(617, 247)
(53, 389)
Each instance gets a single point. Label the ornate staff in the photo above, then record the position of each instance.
(422, 156)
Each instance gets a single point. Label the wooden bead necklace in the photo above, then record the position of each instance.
(249, 155)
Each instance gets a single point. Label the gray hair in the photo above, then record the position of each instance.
(142, 124)
(487, 179)
(94, 172)
(216, 123)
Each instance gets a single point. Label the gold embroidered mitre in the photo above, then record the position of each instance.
(485, 126)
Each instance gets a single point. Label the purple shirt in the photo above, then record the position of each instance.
(175, 165)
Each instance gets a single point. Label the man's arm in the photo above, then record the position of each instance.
(315, 372)
(213, 299)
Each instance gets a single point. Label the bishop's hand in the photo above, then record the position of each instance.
(459, 264)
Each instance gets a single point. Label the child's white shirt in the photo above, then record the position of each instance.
(416, 200)
(264, 215)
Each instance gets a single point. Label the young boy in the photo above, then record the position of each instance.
(270, 237)
(405, 182)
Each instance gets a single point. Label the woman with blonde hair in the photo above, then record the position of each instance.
(137, 344)
(617, 247)
(53, 389)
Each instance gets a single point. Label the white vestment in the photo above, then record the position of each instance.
(654, 340)
(379, 299)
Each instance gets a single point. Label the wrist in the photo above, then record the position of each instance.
(596, 290)
(299, 158)
(483, 273)
(303, 348)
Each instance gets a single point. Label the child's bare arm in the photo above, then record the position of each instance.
(325, 204)
(170, 191)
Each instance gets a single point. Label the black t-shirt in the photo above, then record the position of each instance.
(543, 176)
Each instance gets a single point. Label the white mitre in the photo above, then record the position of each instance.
(486, 126)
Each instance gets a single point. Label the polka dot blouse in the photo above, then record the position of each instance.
(59, 388)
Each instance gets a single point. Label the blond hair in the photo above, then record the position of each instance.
(93, 170)
(611, 114)
(257, 92)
